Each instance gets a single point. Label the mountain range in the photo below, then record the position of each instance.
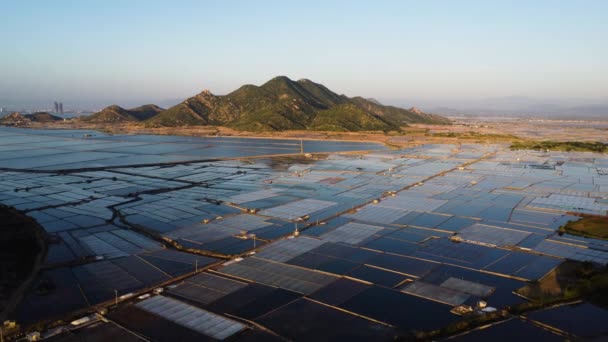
(556, 108)
(18, 119)
(279, 104)
(116, 113)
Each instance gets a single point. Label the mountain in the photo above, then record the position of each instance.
(14, 119)
(399, 115)
(18, 119)
(43, 117)
(284, 104)
(116, 113)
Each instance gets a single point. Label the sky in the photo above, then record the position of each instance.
(404, 52)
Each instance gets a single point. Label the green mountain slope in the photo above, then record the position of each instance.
(399, 115)
(284, 104)
(349, 117)
(116, 113)
(43, 117)
(18, 119)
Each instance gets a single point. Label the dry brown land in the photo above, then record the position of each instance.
(218, 131)
(464, 130)
(571, 280)
(554, 284)
(589, 225)
(538, 129)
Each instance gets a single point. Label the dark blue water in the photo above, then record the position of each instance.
(46, 149)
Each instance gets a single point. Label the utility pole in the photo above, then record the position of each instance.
(296, 233)
(301, 146)
(116, 297)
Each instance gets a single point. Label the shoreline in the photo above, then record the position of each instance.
(36, 233)
(462, 129)
(221, 132)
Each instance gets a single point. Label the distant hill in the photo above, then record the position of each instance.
(43, 117)
(18, 119)
(284, 104)
(400, 115)
(116, 113)
(14, 119)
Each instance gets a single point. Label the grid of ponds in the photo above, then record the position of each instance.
(428, 227)
(203, 321)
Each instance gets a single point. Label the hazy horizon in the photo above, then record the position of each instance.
(431, 54)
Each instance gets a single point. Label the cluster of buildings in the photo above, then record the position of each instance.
(58, 107)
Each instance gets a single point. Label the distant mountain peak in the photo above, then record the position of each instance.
(280, 78)
(114, 107)
(43, 117)
(283, 104)
(371, 99)
(18, 119)
(115, 113)
(416, 110)
(205, 94)
(149, 106)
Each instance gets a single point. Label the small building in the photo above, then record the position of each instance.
(33, 336)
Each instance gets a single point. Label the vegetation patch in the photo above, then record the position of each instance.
(567, 146)
(350, 118)
(588, 226)
(114, 114)
(466, 324)
(475, 136)
(570, 281)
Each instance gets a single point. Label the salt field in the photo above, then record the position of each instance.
(375, 242)
(54, 149)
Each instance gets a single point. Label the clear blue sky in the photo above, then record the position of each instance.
(133, 51)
